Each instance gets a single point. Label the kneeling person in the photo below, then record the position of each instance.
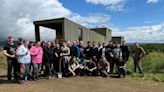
(91, 68)
(121, 68)
(73, 66)
(103, 67)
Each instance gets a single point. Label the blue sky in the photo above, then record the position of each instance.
(134, 13)
(136, 20)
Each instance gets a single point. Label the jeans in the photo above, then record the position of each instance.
(137, 65)
(13, 64)
(103, 73)
(26, 72)
(122, 71)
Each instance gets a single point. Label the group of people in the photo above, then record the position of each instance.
(69, 58)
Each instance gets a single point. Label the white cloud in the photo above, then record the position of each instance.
(91, 19)
(119, 7)
(149, 34)
(152, 1)
(17, 17)
(115, 5)
(105, 2)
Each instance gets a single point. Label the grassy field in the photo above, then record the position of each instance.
(152, 66)
(153, 80)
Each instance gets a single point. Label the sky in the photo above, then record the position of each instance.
(137, 20)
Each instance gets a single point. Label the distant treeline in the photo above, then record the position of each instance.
(152, 47)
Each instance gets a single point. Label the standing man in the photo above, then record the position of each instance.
(49, 58)
(10, 51)
(138, 53)
(116, 55)
(125, 51)
(108, 56)
(94, 51)
(75, 50)
(88, 50)
(81, 47)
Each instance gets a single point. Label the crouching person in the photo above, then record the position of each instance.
(24, 59)
(121, 68)
(73, 66)
(103, 67)
(91, 68)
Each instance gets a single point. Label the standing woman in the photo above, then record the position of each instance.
(36, 55)
(66, 52)
(24, 59)
(66, 58)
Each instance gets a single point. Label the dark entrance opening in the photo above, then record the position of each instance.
(55, 24)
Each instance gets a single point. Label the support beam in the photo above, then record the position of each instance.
(37, 33)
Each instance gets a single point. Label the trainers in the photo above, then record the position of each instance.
(22, 82)
(26, 82)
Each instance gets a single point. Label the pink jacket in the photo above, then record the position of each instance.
(37, 58)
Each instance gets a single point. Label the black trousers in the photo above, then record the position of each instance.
(57, 64)
(13, 64)
(137, 65)
(93, 73)
(48, 66)
(112, 63)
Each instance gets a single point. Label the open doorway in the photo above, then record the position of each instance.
(47, 34)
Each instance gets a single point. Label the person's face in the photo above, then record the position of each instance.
(38, 44)
(48, 44)
(44, 44)
(10, 40)
(57, 45)
(94, 43)
(110, 42)
(136, 45)
(90, 44)
(74, 59)
(27, 43)
(74, 42)
(118, 45)
(64, 45)
(52, 43)
(81, 43)
(77, 42)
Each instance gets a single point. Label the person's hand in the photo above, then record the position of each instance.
(141, 56)
(73, 69)
(90, 70)
(12, 56)
(74, 74)
(120, 59)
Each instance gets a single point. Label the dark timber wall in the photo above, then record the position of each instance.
(69, 30)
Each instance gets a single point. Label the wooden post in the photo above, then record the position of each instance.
(37, 33)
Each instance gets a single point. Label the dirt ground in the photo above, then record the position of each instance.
(83, 84)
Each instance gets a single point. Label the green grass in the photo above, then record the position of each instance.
(152, 66)
(2, 61)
